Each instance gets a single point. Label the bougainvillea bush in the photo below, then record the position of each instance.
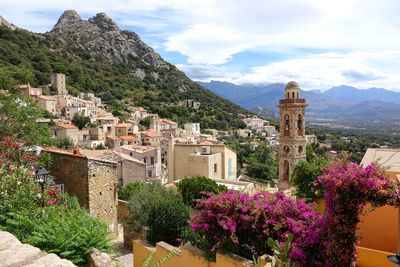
(349, 188)
(241, 224)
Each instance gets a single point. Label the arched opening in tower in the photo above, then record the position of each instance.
(300, 125)
(286, 170)
(287, 125)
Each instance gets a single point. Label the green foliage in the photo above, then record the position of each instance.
(71, 234)
(168, 215)
(27, 57)
(192, 188)
(63, 142)
(18, 120)
(125, 192)
(145, 122)
(258, 163)
(147, 261)
(281, 252)
(159, 211)
(80, 121)
(305, 179)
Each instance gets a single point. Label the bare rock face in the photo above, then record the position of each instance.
(4, 22)
(100, 35)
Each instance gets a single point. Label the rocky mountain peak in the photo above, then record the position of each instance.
(4, 22)
(101, 36)
(68, 16)
(104, 22)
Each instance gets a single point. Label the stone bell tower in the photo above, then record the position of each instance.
(292, 140)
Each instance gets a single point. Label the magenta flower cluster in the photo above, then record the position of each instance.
(241, 224)
(349, 188)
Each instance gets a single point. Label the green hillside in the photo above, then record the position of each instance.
(28, 57)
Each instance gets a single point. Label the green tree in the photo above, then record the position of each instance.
(80, 121)
(192, 188)
(145, 122)
(125, 192)
(18, 120)
(305, 179)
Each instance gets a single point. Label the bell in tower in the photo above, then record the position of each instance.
(292, 140)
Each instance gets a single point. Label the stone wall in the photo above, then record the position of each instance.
(92, 181)
(103, 191)
(72, 171)
(14, 253)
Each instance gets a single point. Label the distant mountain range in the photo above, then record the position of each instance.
(365, 109)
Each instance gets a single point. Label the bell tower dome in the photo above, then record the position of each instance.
(292, 140)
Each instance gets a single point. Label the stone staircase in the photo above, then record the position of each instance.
(15, 254)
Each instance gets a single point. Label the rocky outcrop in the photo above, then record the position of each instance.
(100, 35)
(100, 259)
(4, 22)
(14, 253)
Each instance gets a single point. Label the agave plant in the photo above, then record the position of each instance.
(149, 258)
(281, 252)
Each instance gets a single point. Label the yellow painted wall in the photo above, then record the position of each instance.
(373, 258)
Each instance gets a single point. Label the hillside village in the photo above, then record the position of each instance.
(109, 187)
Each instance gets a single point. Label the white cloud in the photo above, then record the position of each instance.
(210, 33)
(321, 71)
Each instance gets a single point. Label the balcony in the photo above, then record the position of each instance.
(292, 101)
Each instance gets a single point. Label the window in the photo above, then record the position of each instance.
(287, 122)
(144, 160)
(149, 173)
(131, 154)
(152, 160)
(299, 122)
(293, 95)
(300, 149)
(215, 168)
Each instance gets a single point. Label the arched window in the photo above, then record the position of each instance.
(297, 94)
(286, 150)
(286, 170)
(287, 95)
(300, 149)
(300, 122)
(287, 122)
(293, 95)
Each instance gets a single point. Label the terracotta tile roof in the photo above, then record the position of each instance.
(123, 125)
(66, 126)
(127, 138)
(166, 121)
(113, 137)
(151, 133)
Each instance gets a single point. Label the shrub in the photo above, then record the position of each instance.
(168, 216)
(194, 188)
(241, 224)
(125, 192)
(159, 211)
(305, 179)
(71, 234)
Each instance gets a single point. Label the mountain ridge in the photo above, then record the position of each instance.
(344, 104)
(98, 57)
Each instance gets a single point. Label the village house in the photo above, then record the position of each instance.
(215, 161)
(129, 169)
(267, 130)
(138, 113)
(58, 83)
(151, 156)
(93, 181)
(254, 123)
(151, 138)
(48, 103)
(311, 138)
(192, 128)
(28, 91)
(69, 131)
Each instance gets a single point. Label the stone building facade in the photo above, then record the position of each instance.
(292, 139)
(92, 181)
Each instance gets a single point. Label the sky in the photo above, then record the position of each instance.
(318, 43)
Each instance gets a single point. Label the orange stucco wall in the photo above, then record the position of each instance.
(378, 229)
